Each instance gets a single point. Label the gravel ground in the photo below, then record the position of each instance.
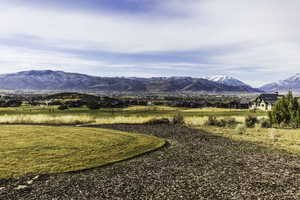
(196, 165)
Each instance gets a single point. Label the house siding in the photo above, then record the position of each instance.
(264, 102)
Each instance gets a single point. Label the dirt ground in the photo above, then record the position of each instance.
(195, 165)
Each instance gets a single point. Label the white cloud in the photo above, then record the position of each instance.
(269, 33)
(15, 59)
(209, 24)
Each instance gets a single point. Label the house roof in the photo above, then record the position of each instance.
(270, 101)
(268, 98)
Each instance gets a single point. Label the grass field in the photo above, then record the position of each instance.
(285, 139)
(46, 119)
(196, 165)
(142, 111)
(45, 149)
(134, 114)
(282, 139)
(206, 161)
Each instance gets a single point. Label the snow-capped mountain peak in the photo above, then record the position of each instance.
(291, 83)
(227, 80)
(296, 77)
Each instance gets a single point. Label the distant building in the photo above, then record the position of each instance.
(265, 102)
(150, 103)
(244, 104)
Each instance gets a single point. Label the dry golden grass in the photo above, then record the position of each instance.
(72, 119)
(85, 119)
(196, 121)
(124, 120)
(45, 119)
(210, 109)
(200, 121)
(151, 108)
(193, 120)
(285, 139)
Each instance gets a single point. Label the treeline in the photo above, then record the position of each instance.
(74, 100)
(10, 103)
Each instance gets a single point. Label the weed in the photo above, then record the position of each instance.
(226, 122)
(178, 119)
(264, 123)
(241, 129)
(250, 121)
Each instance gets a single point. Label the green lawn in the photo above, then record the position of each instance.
(45, 149)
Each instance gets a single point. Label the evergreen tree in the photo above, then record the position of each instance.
(286, 112)
(270, 115)
(298, 117)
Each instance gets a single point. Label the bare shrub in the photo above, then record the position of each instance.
(264, 123)
(229, 122)
(241, 129)
(250, 121)
(226, 122)
(178, 119)
(211, 121)
(62, 107)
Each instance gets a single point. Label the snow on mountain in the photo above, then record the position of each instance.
(227, 80)
(291, 83)
(63, 81)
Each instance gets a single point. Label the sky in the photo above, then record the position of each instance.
(257, 41)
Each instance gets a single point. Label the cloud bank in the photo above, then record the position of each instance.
(257, 41)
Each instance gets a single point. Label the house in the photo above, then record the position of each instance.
(265, 102)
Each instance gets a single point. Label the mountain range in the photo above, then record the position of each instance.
(290, 84)
(63, 81)
(227, 80)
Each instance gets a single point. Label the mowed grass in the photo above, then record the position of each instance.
(44, 149)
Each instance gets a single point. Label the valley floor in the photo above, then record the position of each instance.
(196, 165)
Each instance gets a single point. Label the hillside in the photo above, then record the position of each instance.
(291, 83)
(227, 80)
(63, 81)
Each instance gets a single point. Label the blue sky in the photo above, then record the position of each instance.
(256, 41)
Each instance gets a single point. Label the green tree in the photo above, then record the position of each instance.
(293, 110)
(270, 115)
(93, 105)
(286, 112)
(298, 117)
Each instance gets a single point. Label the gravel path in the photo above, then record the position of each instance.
(196, 165)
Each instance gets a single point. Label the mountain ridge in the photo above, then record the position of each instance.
(60, 80)
(291, 83)
(227, 80)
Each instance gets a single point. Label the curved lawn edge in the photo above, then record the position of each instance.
(162, 143)
(141, 144)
